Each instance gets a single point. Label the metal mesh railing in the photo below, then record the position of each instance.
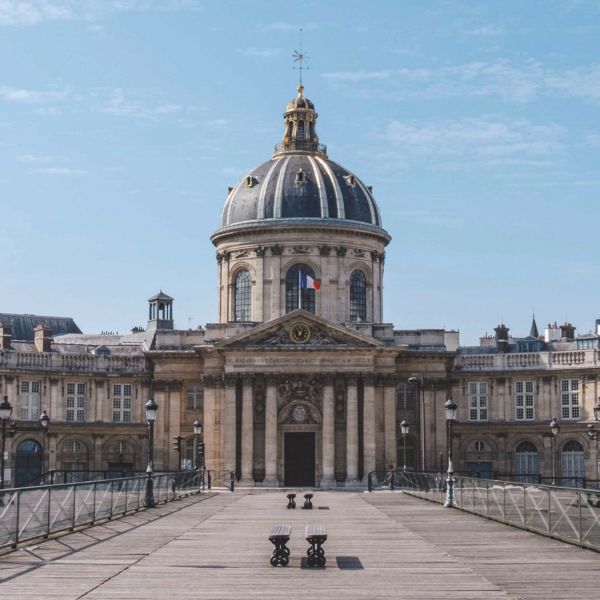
(565, 513)
(28, 513)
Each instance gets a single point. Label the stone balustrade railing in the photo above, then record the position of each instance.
(528, 360)
(71, 362)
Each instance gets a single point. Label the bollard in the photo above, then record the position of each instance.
(370, 481)
(291, 501)
(231, 481)
(307, 501)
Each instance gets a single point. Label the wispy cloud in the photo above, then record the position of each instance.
(121, 104)
(263, 52)
(489, 141)
(513, 83)
(34, 12)
(277, 26)
(35, 158)
(11, 94)
(19, 12)
(58, 171)
(486, 30)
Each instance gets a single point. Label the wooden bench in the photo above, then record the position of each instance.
(315, 536)
(280, 536)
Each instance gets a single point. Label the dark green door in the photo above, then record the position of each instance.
(28, 464)
(299, 459)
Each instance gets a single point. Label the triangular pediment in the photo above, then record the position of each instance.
(300, 329)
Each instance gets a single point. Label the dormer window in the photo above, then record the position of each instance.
(251, 181)
(300, 177)
(350, 180)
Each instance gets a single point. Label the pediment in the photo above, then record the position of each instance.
(300, 329)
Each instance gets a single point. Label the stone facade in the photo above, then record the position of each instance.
(297, 386)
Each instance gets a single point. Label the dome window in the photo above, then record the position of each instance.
(300, 177)
(251, 181)
(350, 180)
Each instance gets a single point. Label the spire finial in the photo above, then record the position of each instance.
(300, 58)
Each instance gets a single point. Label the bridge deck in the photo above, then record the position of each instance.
(384, 545)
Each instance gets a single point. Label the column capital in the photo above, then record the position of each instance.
(248, 378)
(212, 380)
(352, 378)
(230, 379)
(369, 378)
(328, 379)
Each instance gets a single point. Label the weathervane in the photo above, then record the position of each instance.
(300, 58)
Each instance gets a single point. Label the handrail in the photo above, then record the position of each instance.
(32, 512)
(570, 514)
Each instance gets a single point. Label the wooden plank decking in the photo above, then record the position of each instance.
(383, 545)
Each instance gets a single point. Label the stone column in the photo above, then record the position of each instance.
(271, 434)
(229, 424)
(247, 431)
(390, 435)
(352, 432)
(210, 399)
(328, 427)
(369, 425)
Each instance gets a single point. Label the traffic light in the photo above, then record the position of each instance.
(177, 444)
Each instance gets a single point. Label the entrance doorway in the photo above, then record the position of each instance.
(299, 459)
(28, 463)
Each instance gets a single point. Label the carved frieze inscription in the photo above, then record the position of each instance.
(241, 362)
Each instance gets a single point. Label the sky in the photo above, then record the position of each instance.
(122, 122)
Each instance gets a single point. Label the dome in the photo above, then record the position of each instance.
(300, 186)
(300, 182)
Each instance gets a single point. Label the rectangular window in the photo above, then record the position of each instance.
(524, 400)
(121, 403)
(478, 401)
(30, 401)
(569, 399)
(195, 397)
(75, 402)
(405, 397)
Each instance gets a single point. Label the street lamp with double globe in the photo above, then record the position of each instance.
(151, 409)
(450, 407)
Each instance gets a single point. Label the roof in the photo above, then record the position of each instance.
(160, 296)
(23, 325)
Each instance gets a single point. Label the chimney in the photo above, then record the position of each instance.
(501, 337)
(567, 332)
(5, 336)
(43, 338)
(552, 333)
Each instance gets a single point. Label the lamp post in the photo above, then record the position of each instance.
(416, 382)
(593, 435)
(404, 427)
(450, 407)
(5, 412)
(554, 429)
(45, 422)
(198, 455)
(151, 409)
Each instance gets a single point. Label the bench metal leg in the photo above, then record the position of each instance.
(281, 553)
(316, 553)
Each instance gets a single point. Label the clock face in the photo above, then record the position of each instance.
(300, 333)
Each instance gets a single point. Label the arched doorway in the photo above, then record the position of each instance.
(28, 463)
(572, 465)
(526, 463)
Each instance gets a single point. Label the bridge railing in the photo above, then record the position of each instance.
(32, 512)
(566, 513)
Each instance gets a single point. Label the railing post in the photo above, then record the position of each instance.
(73, 515)
(48, 519)
(231, 481)
(209, 480)
(549, 512)
(524, 506)
(17, 520)
(580, 520)
(112, 488)
(504, 501)
(94, 501)
(487, 498)
(370, 481)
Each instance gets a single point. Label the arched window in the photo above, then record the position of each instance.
(295, 296)
(526, 463)
(358, 296)
(243, 295)
(572, 465)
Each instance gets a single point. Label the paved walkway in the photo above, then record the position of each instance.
(383, 545)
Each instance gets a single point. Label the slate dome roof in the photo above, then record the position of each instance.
(300, 182)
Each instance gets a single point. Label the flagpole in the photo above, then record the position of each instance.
(299, 288)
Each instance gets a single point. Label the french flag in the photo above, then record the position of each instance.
(307, 282)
